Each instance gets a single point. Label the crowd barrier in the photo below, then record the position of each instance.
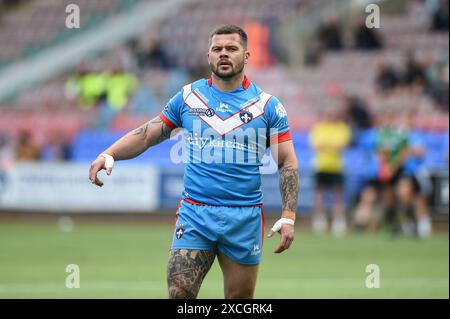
(137, 188)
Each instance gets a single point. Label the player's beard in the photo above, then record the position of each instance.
(226, 75)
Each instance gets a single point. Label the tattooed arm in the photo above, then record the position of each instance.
(284, 155)
(289, 185)
(139, 140)
(131, 145)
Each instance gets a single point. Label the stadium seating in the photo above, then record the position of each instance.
(305, 92)
(47, 19)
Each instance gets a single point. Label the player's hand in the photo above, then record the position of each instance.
(100, 163)
(287, 237)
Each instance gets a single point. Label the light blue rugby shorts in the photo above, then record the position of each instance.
(237, 232)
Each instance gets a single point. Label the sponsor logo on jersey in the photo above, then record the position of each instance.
(230, 143)
(202, 112)
(223, 108)
(210, 112)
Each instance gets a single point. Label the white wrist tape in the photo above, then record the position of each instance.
(277, 226)
(109, 163)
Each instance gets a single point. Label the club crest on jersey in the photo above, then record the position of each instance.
(179, 231)
(246, 116)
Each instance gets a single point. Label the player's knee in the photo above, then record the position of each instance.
(239, 293)
(176, 292)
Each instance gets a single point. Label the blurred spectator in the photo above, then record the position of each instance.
(150, 53)
(440, 17)
(313, 53)
(329, 138)
(126, 58)
(414, 74)
(392, 146)
(366, 38)
(26, 149)
(110, 91)
(414, 187)
(119, 86)
(357, 115)
(277, 49)
(387, 78)
(440, 94)
(56, 149)
(439, 90)
(86, 87)
(134, 46)
(330, 34)
(158, 56)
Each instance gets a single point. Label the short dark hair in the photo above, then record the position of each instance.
(230, 29)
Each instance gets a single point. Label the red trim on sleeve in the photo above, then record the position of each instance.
(167, 121)
(281, 137)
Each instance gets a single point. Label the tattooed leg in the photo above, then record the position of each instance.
(186, 270)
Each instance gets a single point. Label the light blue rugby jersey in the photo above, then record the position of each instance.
(226, 135)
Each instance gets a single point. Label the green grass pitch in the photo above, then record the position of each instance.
(129, 261)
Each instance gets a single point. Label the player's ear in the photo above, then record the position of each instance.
(246, 57)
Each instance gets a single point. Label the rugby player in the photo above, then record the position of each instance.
(228, 122)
